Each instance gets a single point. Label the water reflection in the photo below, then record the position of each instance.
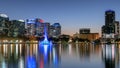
(85, 51)
(30, 55)
(31, 62)
(48, 56)
(21, 62)
(3, 63)
(110, 55)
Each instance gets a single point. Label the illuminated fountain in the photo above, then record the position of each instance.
(45, 45)
(45, 48)
(45, 42)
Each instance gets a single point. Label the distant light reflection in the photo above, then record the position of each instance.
(113, 52)
(4, 65)
(21, 63)
(70, 49)
(109, 55)
(20, 48)
(16, 49)
(45, 47)
(41, 64)
(11, 46)
(31, 62)
(36, 50)
(55, 59)
(45, 50)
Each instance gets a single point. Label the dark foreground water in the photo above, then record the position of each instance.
(59, 56)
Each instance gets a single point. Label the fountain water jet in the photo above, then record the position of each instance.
(45, 42)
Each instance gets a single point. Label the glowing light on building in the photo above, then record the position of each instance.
(3, 15)
(41, 21)
(30, 21)
(21, 20)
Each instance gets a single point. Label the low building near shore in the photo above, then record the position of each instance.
(90, 36)
(85, 34)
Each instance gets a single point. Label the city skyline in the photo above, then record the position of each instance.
(72, 15)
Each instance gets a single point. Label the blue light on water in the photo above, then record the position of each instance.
(31, 62)
(55, 59)
(4, 64)
(45, 51)
(45, 47)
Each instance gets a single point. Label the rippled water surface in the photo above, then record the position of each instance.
(59, 56)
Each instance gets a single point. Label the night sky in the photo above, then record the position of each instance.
(71, 14)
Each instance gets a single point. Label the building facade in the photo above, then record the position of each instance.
(37, 27)
(4, 24)
(111, 27)
(84, 31)
(16, 28)
(117, 29)
(109, 17)
(90, 36)
(30, 27)
(85, 34)
(55, 30)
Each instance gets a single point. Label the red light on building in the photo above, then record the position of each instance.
(41, 21)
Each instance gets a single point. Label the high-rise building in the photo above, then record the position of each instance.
(55, 30)
(108, 30)
(4, 24)
(109, 17)
(30, 27)
(44, 27)
(16, 28)
(36, 27)
(109, 21)
(39, 27)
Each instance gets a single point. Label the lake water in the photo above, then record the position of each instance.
(59, 56)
